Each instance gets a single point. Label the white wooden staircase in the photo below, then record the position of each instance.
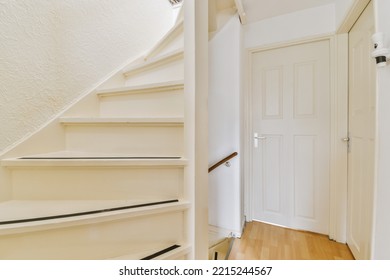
(105, 180)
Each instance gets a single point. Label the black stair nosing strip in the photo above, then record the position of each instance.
(108, 157)
(87, 212)
(162, 252)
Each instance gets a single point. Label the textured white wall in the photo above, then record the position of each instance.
(53, 51)
(28, 66)
(224, 126)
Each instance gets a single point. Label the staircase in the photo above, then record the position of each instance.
(106, 179)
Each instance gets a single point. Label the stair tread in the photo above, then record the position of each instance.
(113, 120)
(154, 61)
(75, 158)
(155, 87)
(20, 214)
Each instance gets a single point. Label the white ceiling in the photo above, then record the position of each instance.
(261, 9)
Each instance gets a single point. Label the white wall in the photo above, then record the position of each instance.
(28, 66)
(293, 26)
(381, 236)
(224, 126)
(53, 51)
(342, 8)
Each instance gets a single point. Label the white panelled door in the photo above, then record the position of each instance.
(290, 89)
(361, 155)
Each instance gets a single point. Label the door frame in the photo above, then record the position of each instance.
(338, 43)
(338, 46)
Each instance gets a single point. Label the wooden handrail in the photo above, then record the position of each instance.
(222, 161)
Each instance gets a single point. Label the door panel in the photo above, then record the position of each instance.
(272, 93)
(305, 101)
(361, 154)
(291, 116)
(305, 147)
(272, 173)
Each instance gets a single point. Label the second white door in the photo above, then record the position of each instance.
(290, 89)
(362, 123)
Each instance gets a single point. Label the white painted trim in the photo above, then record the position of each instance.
(352, 15)
(308, 39)
(339, 155)
(123, 121)
(338, 110)
(246, 137)
(196, 122)
(46, 161)
(212, 16)
(150, 88)
(241, 12)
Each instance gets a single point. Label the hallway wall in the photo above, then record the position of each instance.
(224, 127)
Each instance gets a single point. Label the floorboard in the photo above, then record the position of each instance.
(262, 241)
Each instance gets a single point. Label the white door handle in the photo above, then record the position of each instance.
(257, 138)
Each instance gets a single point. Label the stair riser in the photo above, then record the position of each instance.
(97, 241)
(5, 183)
(169, 72)
(154, 141)
(97, 183)
(160, 104)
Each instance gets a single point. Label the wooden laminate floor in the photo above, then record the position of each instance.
(267, 242)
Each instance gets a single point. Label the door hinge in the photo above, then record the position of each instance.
(347, 140)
